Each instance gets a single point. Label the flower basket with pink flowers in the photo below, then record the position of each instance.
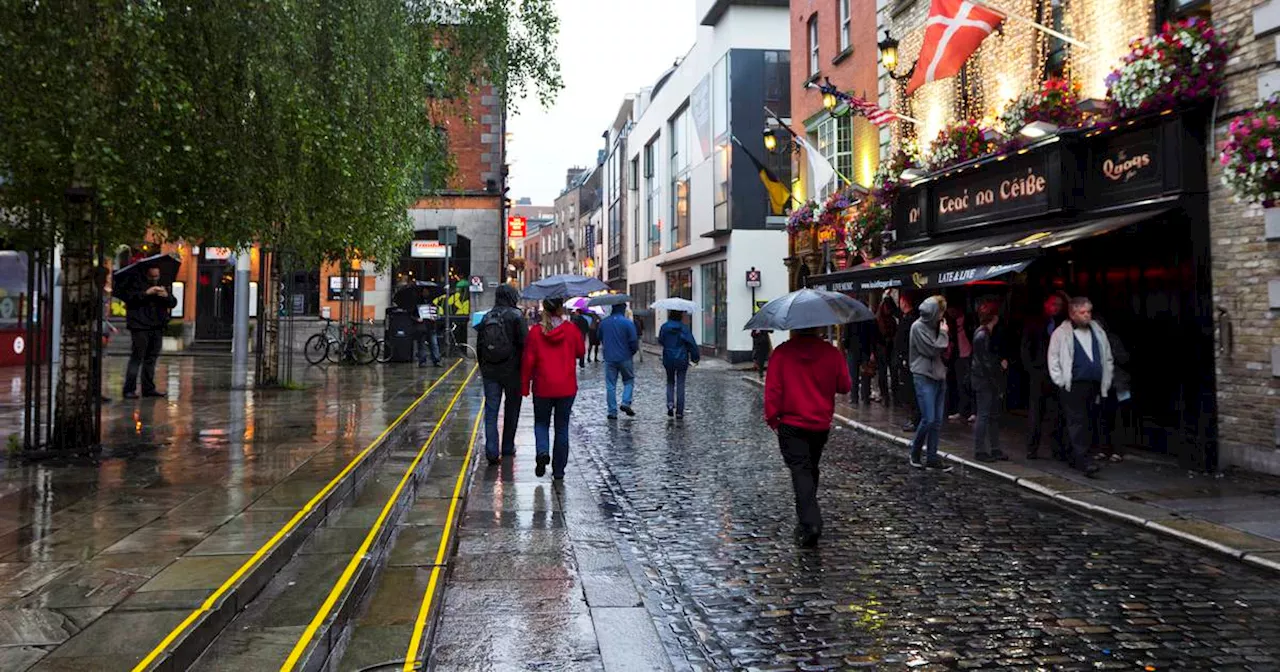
(959, 142)
(801, 217)
(1184, 63)
(1250, 155)
(1056, 101)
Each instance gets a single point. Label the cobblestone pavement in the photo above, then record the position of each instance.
(929, 571)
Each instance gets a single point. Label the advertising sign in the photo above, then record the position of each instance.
(427, 249)
(517, 227)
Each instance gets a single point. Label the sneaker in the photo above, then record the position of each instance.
(671, 412)
(612, 416)
(984, 457)
(953, 417)
(914, 461)
(628, 410)
(679, 415)
(541, 469)
(938, 466)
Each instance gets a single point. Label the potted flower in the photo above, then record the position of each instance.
(802, 217)
(1249, 158)
(959, 142)
(1056, 101)
(1185, 62)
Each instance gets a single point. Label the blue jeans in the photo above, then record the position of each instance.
(429, 343)
(931, 395)
(493, 392)
(675, 388)
(611, 371)
(543, 409)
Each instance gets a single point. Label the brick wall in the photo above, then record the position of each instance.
(1245, 261)
(475, 129)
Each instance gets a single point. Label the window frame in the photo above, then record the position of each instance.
(845, 27)
(815, 63)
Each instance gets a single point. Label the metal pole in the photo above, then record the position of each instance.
(240, 328)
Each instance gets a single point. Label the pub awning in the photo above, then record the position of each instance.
(962, 262)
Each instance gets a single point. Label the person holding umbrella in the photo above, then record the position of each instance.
(805, 376)
(547, 373)
(679, 349)
(149, 304)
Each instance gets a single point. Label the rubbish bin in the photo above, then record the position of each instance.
(400, 334)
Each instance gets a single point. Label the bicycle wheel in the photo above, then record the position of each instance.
(468, 352)
(384, 352)
(335, 351)
(315, 349)
(364, 349)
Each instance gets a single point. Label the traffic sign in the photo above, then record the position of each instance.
(753, 277)
(477, 283)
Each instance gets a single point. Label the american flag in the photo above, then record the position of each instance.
(874, 113)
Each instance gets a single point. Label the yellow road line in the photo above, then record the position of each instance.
(293, 522)
(352, 565)
(411, 658)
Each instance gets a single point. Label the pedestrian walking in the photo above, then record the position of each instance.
(679, 349)
(547, 373)
(593, 337)
(961, 363)
(928, 339)
(805, 376)
(886, 332)
(988, 384)
(1081, 365)
(500, 341)
(621, 343)
(1042, 395)
(902, 363)
(639, 324)
(149, 305)
(426, 317)
(761, 349)
(580, 321)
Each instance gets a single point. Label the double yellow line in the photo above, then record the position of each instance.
(304, 642)
(211, 601)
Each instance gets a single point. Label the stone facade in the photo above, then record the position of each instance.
(1246, 258)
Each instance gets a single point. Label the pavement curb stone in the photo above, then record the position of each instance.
(1045, 485)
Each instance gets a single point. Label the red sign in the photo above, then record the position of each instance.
(516, 227)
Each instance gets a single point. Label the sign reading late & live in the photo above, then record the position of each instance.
(997, 191)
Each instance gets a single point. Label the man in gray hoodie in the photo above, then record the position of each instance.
(929, 338)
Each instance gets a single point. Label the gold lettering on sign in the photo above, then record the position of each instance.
(1124, 167)
(913, 215)
(1015, 188)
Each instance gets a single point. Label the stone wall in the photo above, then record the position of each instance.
(1246, 258)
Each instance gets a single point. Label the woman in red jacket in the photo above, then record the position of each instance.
(552, 350)
(805, 375)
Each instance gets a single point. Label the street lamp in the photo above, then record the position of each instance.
(829, 100)
(889, 57)
(770, 139)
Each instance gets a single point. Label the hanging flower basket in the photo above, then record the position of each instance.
(1184, 63)
(957, 143)
(1056, 101)
(1250, 155)
(802, 217)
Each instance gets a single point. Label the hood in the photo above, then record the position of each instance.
(507, 297)
(620, 309)
(930, 311)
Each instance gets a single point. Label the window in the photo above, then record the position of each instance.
(835, 141)
(720, 98)
(680, 284)
(680, 213)
(651, 198)
(680, 157)
(715, 318)
(643, 294)
(813, 45)
(303, 289)
(777, 82)
(845, 42)
(720, 177)
(634, 198)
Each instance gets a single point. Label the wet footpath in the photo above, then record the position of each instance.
(669, 547)
(197, 500)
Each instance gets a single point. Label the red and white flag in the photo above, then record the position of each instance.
(874, 113)
(955, 29)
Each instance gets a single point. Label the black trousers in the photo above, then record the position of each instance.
(986, 431)
(1042, 395)
(964, 387)
(906, 392)
(1080, 404)
(801, 451)
(143, 355)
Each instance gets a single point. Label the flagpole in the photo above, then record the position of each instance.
(1038, 26)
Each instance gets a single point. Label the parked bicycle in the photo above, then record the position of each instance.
(452, 346)
(341, 344)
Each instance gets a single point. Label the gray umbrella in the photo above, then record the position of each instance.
(562, 287)
(808, 308)
(608, 300)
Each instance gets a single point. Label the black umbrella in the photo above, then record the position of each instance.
(608, 300)
(563, 287)
(808, 308)
(409, 293)
(167, 263)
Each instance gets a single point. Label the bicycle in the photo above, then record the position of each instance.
(316, 349)
(452, 347)
(340, 344)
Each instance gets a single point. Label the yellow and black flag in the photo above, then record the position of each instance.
(779, 194)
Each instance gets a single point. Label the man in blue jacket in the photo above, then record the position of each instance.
(621, 343)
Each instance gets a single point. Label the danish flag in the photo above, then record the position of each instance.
(954, 31)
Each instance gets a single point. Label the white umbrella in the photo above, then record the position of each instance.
(682, 305)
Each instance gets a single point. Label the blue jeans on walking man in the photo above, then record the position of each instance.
(494, 390)
(612, 370)
(544, 408)
(931, 396)
(675, 388)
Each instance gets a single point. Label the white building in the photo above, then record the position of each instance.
(701, 217)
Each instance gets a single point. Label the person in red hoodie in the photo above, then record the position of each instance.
(805, 375)
(550, 354)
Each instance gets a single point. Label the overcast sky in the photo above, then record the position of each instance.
(608, 48)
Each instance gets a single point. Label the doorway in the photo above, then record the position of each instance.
(215, 296)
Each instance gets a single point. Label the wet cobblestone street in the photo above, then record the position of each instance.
(929, 571)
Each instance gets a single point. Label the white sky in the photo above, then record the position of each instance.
(608, 49)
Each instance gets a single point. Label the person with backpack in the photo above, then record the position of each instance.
(678, 349)
(500, 345)
(621, 343)
(547, 373)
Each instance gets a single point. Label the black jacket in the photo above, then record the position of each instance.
(986, 373)
(508, 372)
(147, 313)
(902, 340)
(1035, 346)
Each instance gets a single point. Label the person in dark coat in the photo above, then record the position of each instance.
(987, 379)
(679, 350)
(584, 327)
(621, 343)
(1042, 394)
(593, 337)
(761, 349)
(500, 348)
(886, 332)
(902, 362)
(149, 306)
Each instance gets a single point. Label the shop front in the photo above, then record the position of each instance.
(1118, 214)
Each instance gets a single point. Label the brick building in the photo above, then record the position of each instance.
(1246, 257)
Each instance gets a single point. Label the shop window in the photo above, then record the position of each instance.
(680, 284)
(642, 296)
(680, 213)
(714, 305)
(651, 198)
(302, 292)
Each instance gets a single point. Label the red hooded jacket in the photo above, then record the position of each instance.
(805, 374)
(550, 361)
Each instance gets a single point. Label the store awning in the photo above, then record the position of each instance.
(963, 262)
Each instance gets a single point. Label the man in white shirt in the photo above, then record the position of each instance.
(1081, 365)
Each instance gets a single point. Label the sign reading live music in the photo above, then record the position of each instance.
(1014, 188)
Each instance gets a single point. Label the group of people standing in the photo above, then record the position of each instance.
(542, 360)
